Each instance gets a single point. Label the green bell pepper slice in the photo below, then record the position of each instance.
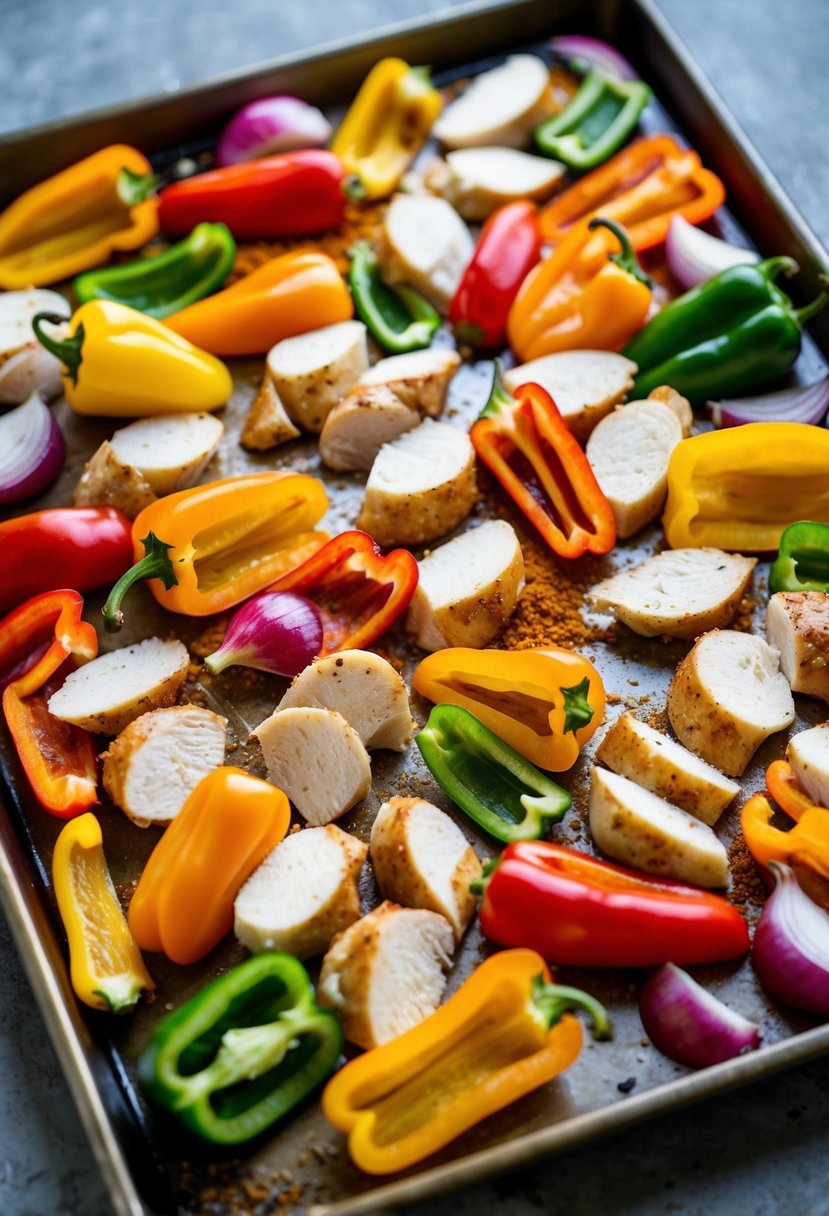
(168, 282)
(490, 781)
(802, 563)
(241, 1053)
(734, 334)
(595, 122)
(399, 318)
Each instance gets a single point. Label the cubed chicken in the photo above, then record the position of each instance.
(357, 428)
(170, 452)
(797, 624)
(477, 181)
(26, 366)
(427, 245)
(313, 371)
(420, 379)
(585, 384)
(108, 482)
(267, 424)
(808, 754)
(502, 106)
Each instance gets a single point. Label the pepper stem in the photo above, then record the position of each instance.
(552, 1001)
(133, 188)
(479, 885)
(354, 188)
(626, 259)
(68, 350)
(804, 314)
(499, 396)
(154, 564)
(578, 711)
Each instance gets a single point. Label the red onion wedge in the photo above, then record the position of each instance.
(688, 1024)
(270, 125)
(695, 256)
(806, 403)
(32, 450)
(277, 631)
(594, 53)
(791, 946)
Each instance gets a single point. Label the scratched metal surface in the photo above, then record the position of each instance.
(637, 670)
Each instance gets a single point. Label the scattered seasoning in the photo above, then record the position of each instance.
(747, 887)
(360, 222)
(549, 612)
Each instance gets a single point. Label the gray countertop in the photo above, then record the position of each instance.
(758, 1151)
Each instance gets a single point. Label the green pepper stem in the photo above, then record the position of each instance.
(578, 711)
(772, 267)
(499, 396)
(479, 885)
(68, 350)
(133, 188)
(552, 1001)
(353, 188)
(804, 314)
(155, 564)
(422, 73)
(626, 259)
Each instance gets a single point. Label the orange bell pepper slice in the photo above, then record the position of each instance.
(781, 784)
(807, 842)
(183, 904)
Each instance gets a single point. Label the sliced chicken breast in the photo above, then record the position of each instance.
(641, 830)
(113, 690)
(680, 405)
(171, 452)
(303, 894)
(155, 763)
(629, 452)
(314, 371)
(357, 428)
(26, 367)
(660, 764)
(502, 106)
(422, 860)
(477, 181)
(365, 689)
(585, 384)
(420, 486)
(468, 588)
(106, 481)
(266, 422)
(797, 624)
(727, 696)
(808, 754)
(679, 593)
(317, 759)
(386, 973)
(427, 245)
(420, 378)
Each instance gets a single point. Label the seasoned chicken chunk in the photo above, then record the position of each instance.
(267, 424)
(585, 384)
(808, 754)
(313, 371)
(477, 181)
(357, 428)
(420, 379)
(427, 245)
(170, 452)
(502, 106)
(797, 624)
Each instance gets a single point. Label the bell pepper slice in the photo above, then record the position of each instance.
(210, 547)
(490, 781)
(802, 562)
(525, 442)
(240, 1054)
(807, 842)
(739, 489)
(359, 591)
(398, 318)
(595, 123)
(183, 904)
(642, 187)
(77, 218)
(168, 282)
(41, 642)
(505, 1032)
(581, 912)
(286, 296)
(386, 125)
(544, 702)
(106, 966)
(781, 784)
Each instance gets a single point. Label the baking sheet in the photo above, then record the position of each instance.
(304, 1164)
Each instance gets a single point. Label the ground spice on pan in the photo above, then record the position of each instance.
(549, 612)
(747, 887)
(361, 221)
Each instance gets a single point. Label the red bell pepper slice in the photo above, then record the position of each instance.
(578, 911)
(526, 443)
(359, 591)
(41, 642)
(509, 247)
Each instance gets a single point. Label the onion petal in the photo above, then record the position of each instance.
(791, 946)
(805, 403)
(32, 450)
(276, 631)
(270, 125)
(594, 53)
(694, 256)
(688, 1024)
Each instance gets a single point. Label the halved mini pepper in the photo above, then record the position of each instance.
(781, 785)
(583, 297)
(595, 123)
(169, 281)
(240, 1054)
(807, 842)
(740, 488)
(359, 591)
(490, 781)
(119, 363)
(286, 296)
(527, 445)
(642, 187)
(581, 912)
(398, 318)
(183, 904)
(77, 218)
(546, 703)
(802, 562)
(210, 547)
(505, 1032)
(106, 966)
(386, 125)
(41, 642)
